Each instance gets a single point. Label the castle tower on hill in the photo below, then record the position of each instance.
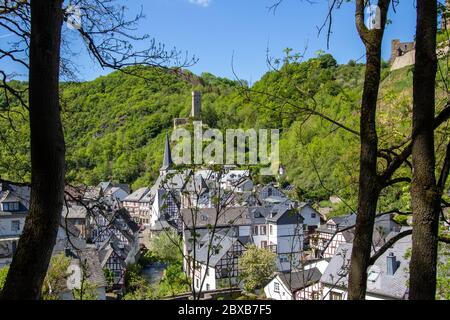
(196, 110)
(398, 48)
(196, 105)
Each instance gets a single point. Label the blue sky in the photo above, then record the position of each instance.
(214, 30)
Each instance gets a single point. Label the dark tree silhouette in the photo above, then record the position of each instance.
(47, 155)
(39, 45)
(424, 191)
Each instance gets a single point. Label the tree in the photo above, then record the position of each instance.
(47, 154)
(257, 266)
(106, 35)
(55, 281)
(109, 277)
(87, 290)
(166, 247)
(369, 182)
(425, 198)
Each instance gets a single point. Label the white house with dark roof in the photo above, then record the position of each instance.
(14, 203)
(387, 279)
(278, 228)
(215, 263)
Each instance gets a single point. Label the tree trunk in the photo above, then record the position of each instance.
(369, 185)
(30, 263)
(424, 193)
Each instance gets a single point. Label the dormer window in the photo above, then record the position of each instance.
(10, 206)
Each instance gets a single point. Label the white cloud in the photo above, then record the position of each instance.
(202, 3)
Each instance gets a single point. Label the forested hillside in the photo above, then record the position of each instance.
(115, 125)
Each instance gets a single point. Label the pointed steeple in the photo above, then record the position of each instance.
(167, 160)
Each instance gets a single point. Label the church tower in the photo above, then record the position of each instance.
(167, 160)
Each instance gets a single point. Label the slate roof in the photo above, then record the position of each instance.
(390, 286)
(74, 212)
(219, 246)
(228, 216)
(126, 217)
(297, 280)
(344, 221)
(69, 227)
(137, 195)
(95, 270)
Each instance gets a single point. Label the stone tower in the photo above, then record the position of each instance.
(196, 105)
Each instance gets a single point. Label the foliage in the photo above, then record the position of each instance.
(87, 291)
(109, 277)
(174, 281)
(115, 125)
(257, 265)
(3, 274)
(166, 247)
(137, 287)
(55, 281)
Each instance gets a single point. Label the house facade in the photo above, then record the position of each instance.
(387, 278)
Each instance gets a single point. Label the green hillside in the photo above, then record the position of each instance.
(115, 125)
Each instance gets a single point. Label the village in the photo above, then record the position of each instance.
(218, 214)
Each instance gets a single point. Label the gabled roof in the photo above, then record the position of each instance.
(74, 212)
(208, 216)
(344, 221)
(392, 286)
(215, 249)
(95, 275)
(126, 217)
(8, 196)
(137, 195)
(69, 227)
(297, 280)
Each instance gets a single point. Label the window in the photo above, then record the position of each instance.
(11, 206)
(276, 287)
(264, 244)
(15, 225)
(335, 295)
(263, 230)
(197, 283)
(255, 230)
(271, 229)
(313, 215)
(315, 295)
(208, 287)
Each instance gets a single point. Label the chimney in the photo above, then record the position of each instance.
(196, 104)
(391, 264)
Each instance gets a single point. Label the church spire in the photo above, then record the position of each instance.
(167, 160)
